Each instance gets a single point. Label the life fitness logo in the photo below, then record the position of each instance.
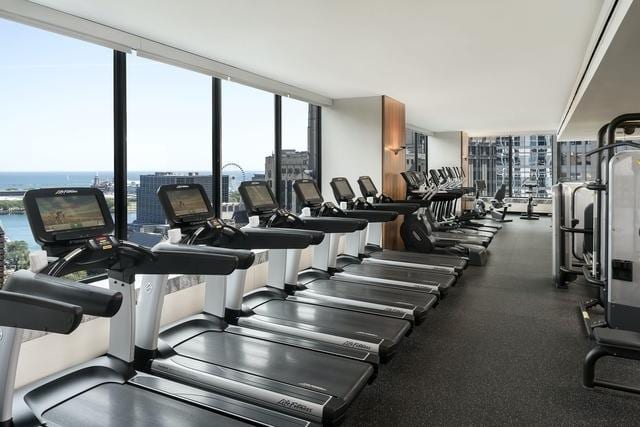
(148, 287)
(356, 345)
(286, 403)
(60, 192)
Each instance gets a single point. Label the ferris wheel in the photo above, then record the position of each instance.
(232, 187)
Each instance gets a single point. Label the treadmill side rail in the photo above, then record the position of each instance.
(264, 392)
(306, 331)
(218, 402)
(436, 268)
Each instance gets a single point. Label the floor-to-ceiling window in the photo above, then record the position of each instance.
(531, 165)
(169, 138)
(247, 143)
(56, 125)
(573, 164)
(298, 148)
(521, 162)
(57, 129)
(416, 150)
(489, 162)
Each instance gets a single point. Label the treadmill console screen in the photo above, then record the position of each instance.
(369, 188)
(61, 216)
(187, 202)
(260, 196)
(344, 189)
(309, 192)
(72, 212)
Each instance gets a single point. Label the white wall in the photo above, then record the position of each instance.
(352, 142)
(444, 149)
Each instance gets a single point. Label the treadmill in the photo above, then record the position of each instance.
(373, 251)
(446, 198)
(351, 267)
(74, 225)
(417, 189)
(262, 354)
(314, 286)
(274, 314)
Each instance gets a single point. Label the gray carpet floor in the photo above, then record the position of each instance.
(504, 347)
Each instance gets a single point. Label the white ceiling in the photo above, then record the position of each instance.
(613, 88)
(477, 65)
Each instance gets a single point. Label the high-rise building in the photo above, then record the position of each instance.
(416, 150)
(295, 165)
(572, 163)
(1, 256)
(148, 209)
(225, 189)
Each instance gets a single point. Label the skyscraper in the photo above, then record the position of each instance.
(148, 208)
(295, 165)
(225, 188)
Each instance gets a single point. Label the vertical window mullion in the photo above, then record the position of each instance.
(277, 155)
(318, 146)
(216, 142)
(120, 143)
(511, 167)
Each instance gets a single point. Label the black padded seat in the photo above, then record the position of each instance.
(617, 338)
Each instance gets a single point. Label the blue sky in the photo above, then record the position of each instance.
(56, 110)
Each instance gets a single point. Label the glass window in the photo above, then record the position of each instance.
(574, 164)
(169, 139)
(247, 143)
(528, 156)
(56, 127)
(416, 151)
(532, 165)
(487, 162)
(299, 148)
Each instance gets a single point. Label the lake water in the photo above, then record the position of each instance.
(29, 180)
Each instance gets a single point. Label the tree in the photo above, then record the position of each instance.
(16, 255)
(234, 196)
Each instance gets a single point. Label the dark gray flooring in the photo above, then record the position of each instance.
(504, 347)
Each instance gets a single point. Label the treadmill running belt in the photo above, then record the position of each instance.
(357, 291)
(319, 372)
(116, 405)
(413, 275)
(363, 326)
(419, 258)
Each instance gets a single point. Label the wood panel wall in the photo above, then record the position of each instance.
(393, 137)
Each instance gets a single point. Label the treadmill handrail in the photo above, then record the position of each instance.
(93, 301)
(374, 216)
(334, 225)
(35, 313)
(275, 238)
(187, 259)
